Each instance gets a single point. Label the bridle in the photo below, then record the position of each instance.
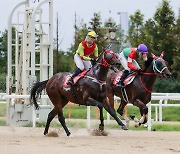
(105, 61)
(157, 72)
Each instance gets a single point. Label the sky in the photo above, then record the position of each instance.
(84, 13)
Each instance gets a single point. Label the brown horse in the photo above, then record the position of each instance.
(138, 92)
(90, 90)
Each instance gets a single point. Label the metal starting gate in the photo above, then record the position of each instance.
(30, 57)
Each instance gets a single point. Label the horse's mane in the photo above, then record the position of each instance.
(148, 62)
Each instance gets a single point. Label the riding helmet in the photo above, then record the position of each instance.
(142, 48)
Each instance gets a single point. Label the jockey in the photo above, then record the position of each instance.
(128, 58)
(81, 58)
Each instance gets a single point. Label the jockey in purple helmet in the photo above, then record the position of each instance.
(128, 58)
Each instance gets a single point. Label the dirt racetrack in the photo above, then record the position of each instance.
(23, 140)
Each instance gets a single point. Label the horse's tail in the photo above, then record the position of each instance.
(36, 92)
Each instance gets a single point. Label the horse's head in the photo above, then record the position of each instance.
(109, 58)
(160, 65)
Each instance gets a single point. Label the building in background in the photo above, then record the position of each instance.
(124, 21)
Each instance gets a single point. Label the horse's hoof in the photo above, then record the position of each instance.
(132, 117)
(70, 136)
(124, 127)
(101, 128)
(45, 133)
(137, 125)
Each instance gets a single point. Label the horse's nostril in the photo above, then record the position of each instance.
(168, 75)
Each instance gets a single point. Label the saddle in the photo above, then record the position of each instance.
(75, 79)
(127, 80)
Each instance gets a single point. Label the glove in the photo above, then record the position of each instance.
(139, 71)
(118, 65)
(93, 61)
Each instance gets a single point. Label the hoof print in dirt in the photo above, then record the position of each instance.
(98, 132)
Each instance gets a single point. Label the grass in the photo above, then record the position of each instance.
(2, 122)
(80, 112)
(2, 110)
(82, 124)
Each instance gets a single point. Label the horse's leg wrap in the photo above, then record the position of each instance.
(126, 119)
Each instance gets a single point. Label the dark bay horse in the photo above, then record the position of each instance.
(138, 92)
(89, 90)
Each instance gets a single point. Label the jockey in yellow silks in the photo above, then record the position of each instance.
(85, 49)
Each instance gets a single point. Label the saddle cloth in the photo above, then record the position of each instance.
(126, 81)
(75, 79)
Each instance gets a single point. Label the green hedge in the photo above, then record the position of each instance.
(167, 86)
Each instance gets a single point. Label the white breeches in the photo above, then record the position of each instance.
(81, 64)
(124, 62)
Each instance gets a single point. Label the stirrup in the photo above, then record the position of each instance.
(70, 82)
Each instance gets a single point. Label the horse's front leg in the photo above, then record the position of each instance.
(143, 110)
(113, 113)
(120, 110)
(93, 102)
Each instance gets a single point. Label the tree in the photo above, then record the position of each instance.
(3, 52)
(96, 25)
(175, 36)
(164, 23)
(136, 24)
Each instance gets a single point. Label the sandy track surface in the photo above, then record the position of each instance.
(22, 140)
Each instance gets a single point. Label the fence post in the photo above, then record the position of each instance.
(156, 113)
(160, 111)
(149, 117)
(108, 118)
(33, 117)
(88, 117)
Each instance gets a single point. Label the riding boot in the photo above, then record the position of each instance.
(124, 75)
(75, 73)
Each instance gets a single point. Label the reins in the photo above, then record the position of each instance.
(148, 73)
(140, 78)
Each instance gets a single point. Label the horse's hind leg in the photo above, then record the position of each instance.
(120, 110)
(63, 123)
(51, 115)
(58, 103)
(143, 110)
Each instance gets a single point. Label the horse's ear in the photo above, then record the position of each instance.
(153, 55)
(162, 54)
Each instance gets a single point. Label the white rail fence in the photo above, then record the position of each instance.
(162, 97)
